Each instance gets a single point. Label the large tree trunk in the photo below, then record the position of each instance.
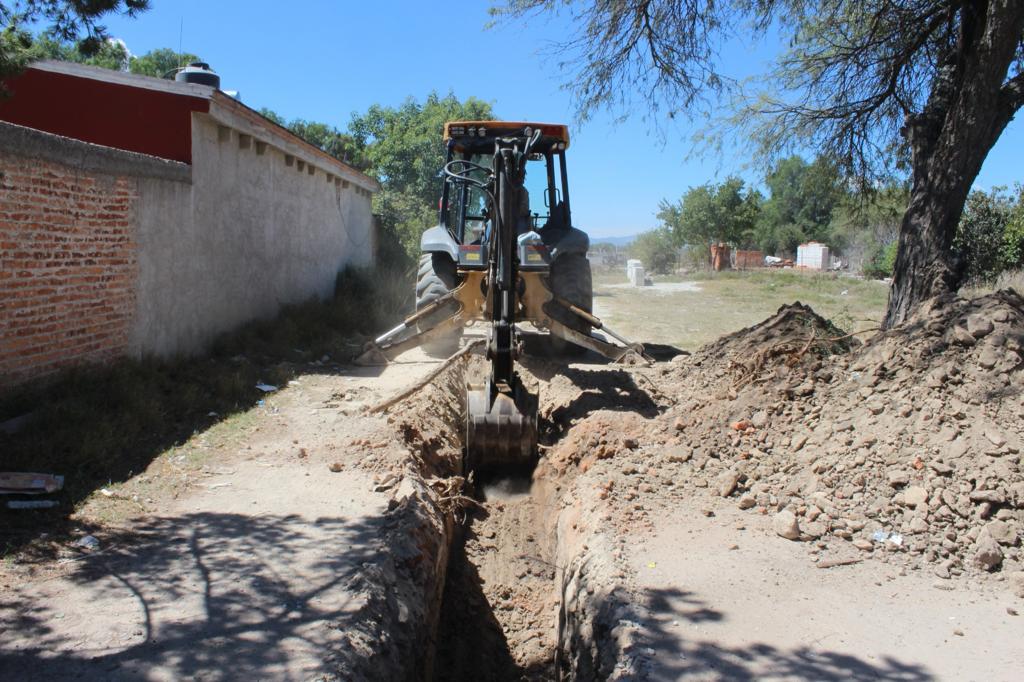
(967, 110)
(925, 265)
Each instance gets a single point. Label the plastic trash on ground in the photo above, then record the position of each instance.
(88, 542)
(32, 504)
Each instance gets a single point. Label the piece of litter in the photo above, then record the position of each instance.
(266, 388)
(387, 483)
(106, 493)
(32, 504)
(652, 564)
(211, 413)
(883, 536)
(832, 563)
(19, 483)
(88, 542)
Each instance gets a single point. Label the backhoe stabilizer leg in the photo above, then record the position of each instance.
(609, 350)
(385, 348)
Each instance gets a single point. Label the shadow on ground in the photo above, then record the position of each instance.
(599, 389)
(470, 641)
(667, 646)
(225, 596)
(101, 425)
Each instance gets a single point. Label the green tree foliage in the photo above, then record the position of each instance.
(341, 146)
(982, 234)
(875, 84)
(161, 62)
(802, 197)
(111, 54)
(805, 201)
(881, 262)
(865, 228)
(726, 212)
(656, 249)
(63, 22)
(1013, 236)
(402, 147)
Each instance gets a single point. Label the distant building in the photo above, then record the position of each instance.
(813, 256)
(143, 216)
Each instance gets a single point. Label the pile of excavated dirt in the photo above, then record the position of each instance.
(905, 448)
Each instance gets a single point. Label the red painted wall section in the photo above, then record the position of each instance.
(110, 114)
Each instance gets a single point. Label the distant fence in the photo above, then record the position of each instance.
(746, 260)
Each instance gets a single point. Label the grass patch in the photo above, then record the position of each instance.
(729, 301)
(101, 425)
(1008, 279)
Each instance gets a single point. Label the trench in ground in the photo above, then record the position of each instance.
(500, 612)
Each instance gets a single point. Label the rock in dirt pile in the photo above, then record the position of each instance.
(906, 447)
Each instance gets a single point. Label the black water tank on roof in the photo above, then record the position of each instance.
(200, 73)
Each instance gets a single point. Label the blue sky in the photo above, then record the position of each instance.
(323, 60)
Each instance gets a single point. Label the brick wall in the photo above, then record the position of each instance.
(746, 260)
(68, 266)
(106, 252)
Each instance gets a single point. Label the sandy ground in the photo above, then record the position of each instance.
(728, 604)
(660, 288)
(254, 573)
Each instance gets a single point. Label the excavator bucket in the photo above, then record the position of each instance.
(501, 428)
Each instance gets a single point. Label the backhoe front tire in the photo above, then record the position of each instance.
(435, 277)
(571, 279)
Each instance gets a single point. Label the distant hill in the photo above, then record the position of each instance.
(615, 241)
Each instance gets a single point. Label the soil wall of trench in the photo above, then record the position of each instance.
(501, 579)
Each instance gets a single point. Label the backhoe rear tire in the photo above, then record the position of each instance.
(436, 277)
(571, 280)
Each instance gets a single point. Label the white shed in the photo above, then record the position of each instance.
(812, 255)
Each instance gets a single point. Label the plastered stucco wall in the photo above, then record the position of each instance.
(106, 253)
(261, 232)
(68, 250)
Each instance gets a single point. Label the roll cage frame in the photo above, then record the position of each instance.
(556, 197)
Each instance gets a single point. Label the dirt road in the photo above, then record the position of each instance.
(784, 504)
(268, 566)
(726, 603)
